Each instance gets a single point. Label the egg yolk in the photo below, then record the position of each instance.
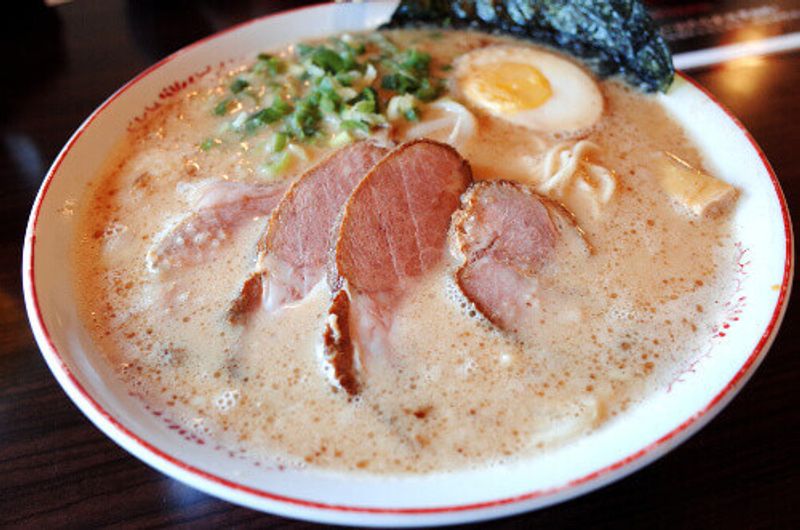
(508, 87)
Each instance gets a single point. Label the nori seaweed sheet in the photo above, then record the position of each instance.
(613, 37)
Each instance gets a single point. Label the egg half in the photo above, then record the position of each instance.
(529, 87)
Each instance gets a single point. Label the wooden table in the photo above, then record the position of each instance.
(56, 469)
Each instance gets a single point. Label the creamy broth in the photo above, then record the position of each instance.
(610, 328)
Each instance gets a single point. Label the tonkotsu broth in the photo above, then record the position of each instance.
(612, 327)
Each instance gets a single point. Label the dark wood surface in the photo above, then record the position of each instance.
(57, 470)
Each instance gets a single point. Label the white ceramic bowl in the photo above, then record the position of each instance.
(700, 389)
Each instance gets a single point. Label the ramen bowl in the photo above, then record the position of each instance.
(702, 385)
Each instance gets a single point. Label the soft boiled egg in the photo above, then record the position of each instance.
(529, 87)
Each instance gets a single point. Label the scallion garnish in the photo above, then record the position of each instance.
(238, 85)
(327, 91)
(222, 107)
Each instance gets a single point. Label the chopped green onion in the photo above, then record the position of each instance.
(239, 121)
(370, 73)
(345, 78)
(399, 82)
(327, 104)
(303, 121)
(327, 87)
(349, 61)
(279, 164)
(270, 64)
(326, 93)
(415, 61)
(427, 91)
(365, 106)
(369, 98)
(328, 60)
(276, 111)
(402, 106)
(222, 107)
(304, 50)
(279, 142)
(341, 139)
(346, 43)
(275, 66)
(298, 151)
(351, 125)
(238, 85)
(347, 93)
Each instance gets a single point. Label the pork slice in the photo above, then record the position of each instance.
(293, 252)
(504, 234)
(223, 207)
(393, 230)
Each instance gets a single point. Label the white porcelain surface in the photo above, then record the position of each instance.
(618, 448)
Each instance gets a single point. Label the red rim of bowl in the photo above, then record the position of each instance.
(56, 362)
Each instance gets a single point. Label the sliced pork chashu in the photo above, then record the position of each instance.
(393, 231)
(223, 207)
(504, 234)
(293, 252)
